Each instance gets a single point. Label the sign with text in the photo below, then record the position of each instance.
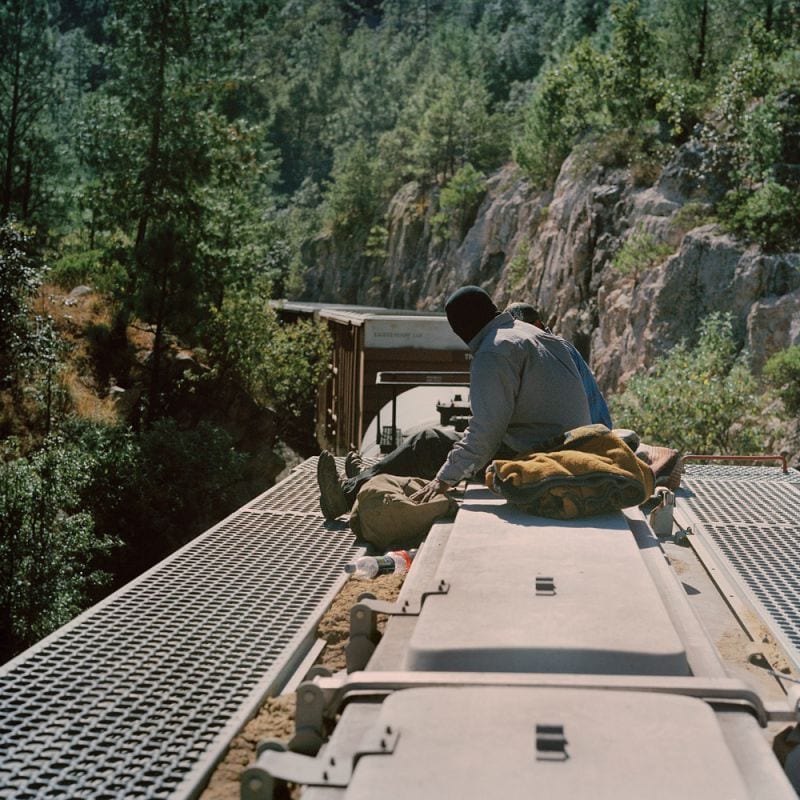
(428, 333)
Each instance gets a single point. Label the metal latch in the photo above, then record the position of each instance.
(661, 517)
(545, 585)
(551, 744)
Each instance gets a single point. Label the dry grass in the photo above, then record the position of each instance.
(72, 315)
(84, 400)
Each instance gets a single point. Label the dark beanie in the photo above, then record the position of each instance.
(468, 310)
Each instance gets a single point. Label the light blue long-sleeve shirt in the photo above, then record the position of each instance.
(598, 408)
(524, 390)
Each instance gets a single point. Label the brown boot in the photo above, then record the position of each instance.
(332, 501)
(353, 464)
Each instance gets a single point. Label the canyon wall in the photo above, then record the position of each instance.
(556, 250)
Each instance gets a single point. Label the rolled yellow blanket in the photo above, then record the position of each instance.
(590, 472)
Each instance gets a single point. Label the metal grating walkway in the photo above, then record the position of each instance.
(750, 519)
(140, 695)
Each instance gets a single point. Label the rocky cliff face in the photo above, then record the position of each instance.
(556, 250)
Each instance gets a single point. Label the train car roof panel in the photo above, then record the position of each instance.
(556, 605)
(479, 742)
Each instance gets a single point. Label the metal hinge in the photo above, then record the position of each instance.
(275, 764)
(364, 636)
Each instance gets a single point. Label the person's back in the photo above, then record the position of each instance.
(524, 390)
(598, 408)
(548, 401)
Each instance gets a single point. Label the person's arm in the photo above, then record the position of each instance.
(430, 490)
(494, 384)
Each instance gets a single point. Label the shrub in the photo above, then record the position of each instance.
(692, 215)
(91, 267)
(47, 543)
(518, 266)
(640, 251)
(156, 490)
(770, 215)
(741, 140)
(281, 366)
(782, 372)
(458, 201)
(377, 242)
(20, 276)
(699, 399)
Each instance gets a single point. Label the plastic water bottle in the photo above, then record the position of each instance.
(394, 562)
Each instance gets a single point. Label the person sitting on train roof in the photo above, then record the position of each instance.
(598, 408)
(524, 390)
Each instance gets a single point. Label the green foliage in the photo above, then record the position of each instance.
(769, 215)
(640, 251)
(30, 349)
(377, 242)
(95, 267)
(741, 129)
(27, 98)
(353, 199)
(630, 81)
(454, 128)
(692, 215)
(698, 38)
(747, 140)
(563, 107)
(459, 200)
(20, 276)
(580, 19)
(519, 264)
(699, 399)
(446, 120)
(238, 241)
(782, 372)
(47, 543)
(761, 139)
(679, 105)
(281, 366)
(186, 481)
(156, 490)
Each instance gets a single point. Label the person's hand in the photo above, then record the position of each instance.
(430, 489)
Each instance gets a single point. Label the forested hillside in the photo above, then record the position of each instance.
(167, 168)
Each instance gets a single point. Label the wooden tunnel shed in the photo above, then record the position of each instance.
(368, 340)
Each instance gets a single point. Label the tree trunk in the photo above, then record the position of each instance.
(154, 393)
(11, 134)
(700, 60)
(153, 151)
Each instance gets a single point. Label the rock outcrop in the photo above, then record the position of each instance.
(556, 250)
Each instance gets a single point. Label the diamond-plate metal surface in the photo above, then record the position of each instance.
(140, 695)
(299, 496)
(759, 474)
(750, 519)
(292, 497)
